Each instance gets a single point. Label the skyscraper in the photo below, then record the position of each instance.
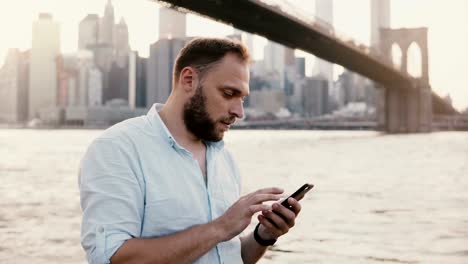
(159, 69)
(43, 71)
(172, 24)
(94, 83)
(111, 56)
(121, 45)
(88, 31)
(315, 96)
(14, 87)
(67, 77)
(380, 18)
(324, 11)
(118, 83)
(106, 25)
(247, 39)
(274, 62)
(137, 81)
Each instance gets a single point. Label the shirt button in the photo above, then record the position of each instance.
(101, 229)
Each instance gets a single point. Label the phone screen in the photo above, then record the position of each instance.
(298, 195)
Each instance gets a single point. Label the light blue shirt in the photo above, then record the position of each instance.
(137, 182)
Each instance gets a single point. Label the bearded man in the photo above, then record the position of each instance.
(162, 188)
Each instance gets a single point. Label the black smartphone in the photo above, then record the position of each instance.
(298, 195)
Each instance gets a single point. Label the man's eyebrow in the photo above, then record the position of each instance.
(234, 89)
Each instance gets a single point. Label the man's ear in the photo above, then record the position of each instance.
(188, 79)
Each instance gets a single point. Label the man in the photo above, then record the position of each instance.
(162, 189)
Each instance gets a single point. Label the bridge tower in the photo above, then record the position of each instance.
(407, 106)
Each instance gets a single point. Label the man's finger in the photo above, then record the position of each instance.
(295, 205)
(271, 190)
(269, 226)
(286, 214)
(260, 198)
(258, 207)
(276, 220)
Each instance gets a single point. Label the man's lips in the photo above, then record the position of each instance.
(227, 124)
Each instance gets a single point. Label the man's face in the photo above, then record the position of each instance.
(218, 101)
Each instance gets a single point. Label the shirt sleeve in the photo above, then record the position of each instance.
(112, 199)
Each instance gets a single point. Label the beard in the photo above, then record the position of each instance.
(198, 121)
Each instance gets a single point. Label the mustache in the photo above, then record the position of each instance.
(229, 120)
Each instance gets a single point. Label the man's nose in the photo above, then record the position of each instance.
(237, 109)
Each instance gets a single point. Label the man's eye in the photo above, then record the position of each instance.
(228, 93)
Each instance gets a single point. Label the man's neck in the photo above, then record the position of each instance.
(172, 117)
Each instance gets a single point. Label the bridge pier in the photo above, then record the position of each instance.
(425, 107)
(408, 110)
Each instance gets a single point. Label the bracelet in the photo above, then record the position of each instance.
(260, 240)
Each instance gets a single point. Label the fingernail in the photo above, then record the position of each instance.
(275, 206)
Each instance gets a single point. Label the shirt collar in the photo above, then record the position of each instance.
(161, 128)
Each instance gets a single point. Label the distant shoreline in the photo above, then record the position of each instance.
(327, 126)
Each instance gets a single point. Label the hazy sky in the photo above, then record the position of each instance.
(446, 20)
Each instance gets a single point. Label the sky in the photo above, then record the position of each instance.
(446, 21)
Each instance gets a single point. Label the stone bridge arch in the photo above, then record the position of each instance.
(404, 37)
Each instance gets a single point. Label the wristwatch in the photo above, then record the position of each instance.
(262, 241)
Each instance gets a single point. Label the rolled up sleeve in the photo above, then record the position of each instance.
(112, 198)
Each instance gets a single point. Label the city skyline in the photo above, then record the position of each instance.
(446, 67)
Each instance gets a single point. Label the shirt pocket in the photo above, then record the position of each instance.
(169, 215)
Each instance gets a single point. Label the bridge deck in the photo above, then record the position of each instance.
(274, 24)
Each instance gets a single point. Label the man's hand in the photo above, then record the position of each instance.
(239, 215)
(280, 220)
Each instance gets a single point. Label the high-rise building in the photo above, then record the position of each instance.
(94, 84)
(315, 96)
(85, 61)
(121, 35)
(136, 80)
(121, 45)
(380, 18)
(88, 31)
(235, 37)
(110, 53)
(103, 58)
(159, 69)
(247, 39)
(79, 80)
(300, 67)
(67, 78)
(324, 11)
(14, 87)
(132, 78)
(172, 24)
(274, 62)
(118, 83)
(43, 71)
(267, 101)
(353, 88)
(106, 25)
(290, 70)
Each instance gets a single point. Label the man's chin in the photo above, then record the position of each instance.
(219, 136)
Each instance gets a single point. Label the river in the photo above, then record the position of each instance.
(377, 198)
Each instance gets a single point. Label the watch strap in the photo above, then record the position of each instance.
(262, 241)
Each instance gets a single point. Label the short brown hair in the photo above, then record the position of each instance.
(203, 53)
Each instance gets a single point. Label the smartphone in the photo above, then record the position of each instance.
(298, 195)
